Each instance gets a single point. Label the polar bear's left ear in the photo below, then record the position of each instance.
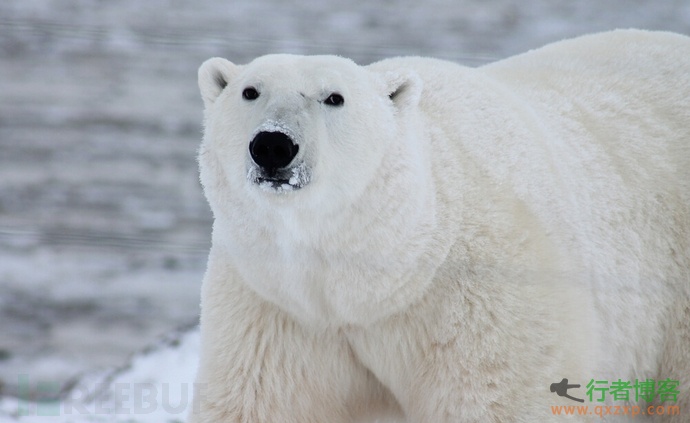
(403, 87)
(214, 75)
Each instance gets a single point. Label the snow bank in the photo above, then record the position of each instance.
(155, 386)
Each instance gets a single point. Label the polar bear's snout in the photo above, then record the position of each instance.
(272, 151)
(274, 165)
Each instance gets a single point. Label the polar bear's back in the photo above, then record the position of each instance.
(627, 91)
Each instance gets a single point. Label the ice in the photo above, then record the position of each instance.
(301, 175)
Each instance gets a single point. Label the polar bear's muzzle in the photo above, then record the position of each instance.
(272, 153)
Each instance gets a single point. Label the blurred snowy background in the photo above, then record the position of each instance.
(103, 227)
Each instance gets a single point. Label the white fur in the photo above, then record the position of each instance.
(463, 239)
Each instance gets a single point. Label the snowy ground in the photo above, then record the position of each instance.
(103, 228)
(154, 386)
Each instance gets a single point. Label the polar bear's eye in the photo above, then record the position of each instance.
(250, 93)
(335, 99)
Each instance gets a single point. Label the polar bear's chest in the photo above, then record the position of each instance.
(295, 279)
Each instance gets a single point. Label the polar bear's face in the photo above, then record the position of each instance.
(287, 125)
(301, 155)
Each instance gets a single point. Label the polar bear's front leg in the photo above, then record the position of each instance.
(477, 351)
(259, 365)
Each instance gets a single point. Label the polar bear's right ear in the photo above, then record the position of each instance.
(403, 87)
(214, 75)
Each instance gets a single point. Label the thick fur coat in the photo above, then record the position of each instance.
(447, 242)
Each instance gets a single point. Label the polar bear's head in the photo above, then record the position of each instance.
(307, 126)
(301, 157)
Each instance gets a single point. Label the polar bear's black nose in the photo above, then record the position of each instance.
(272, 150)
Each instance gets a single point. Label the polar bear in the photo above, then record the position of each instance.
(428, 242)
